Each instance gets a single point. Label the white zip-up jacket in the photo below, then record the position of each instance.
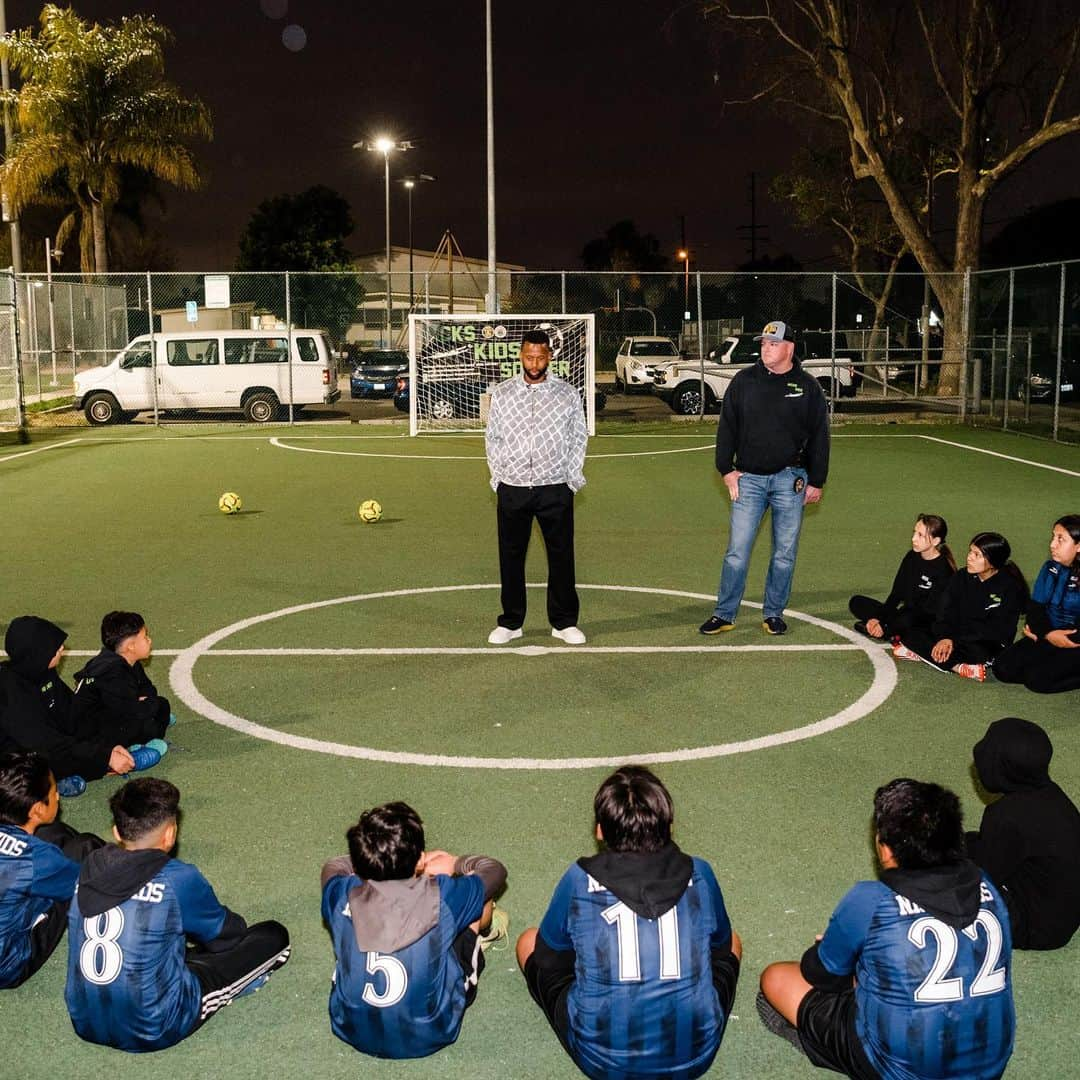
(536, 434)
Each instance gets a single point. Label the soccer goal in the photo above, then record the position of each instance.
(455, 361)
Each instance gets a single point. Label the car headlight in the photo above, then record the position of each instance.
(637, 365)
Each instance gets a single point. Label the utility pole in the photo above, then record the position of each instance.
(753, 228)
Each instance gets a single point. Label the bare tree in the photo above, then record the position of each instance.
(984, 84)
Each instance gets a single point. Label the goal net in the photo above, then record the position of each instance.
(455, 361)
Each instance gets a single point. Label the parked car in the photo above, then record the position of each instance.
(1040, 387)
(636, 360)
(680, 383)
(375, 372)
(253, 371)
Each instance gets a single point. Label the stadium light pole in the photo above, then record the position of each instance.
(409, 183)
(492, 298)
(385, 145)
(683, 254)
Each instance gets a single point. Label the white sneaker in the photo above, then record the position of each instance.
(571, 635)
(503, 634)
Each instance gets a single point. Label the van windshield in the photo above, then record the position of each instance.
(137, 356)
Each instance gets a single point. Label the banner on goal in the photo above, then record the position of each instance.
(455, 361)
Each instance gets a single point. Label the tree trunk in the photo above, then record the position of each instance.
(955, 342)
(101, 247)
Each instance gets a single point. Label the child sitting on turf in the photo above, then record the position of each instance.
(635, 963)
(912, 977)
(38, 866)
(113, 693)
(1029, 839)
(153, 954)
(916, 591)
(978, 615)
(36, 706)
(406, 925)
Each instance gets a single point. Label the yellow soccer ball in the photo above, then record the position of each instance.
(230, 503)
(369, 511)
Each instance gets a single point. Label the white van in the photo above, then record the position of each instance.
(246, 370)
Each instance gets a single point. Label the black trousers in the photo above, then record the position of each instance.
(1040, 666)
(964, 651)
(552, 505)
(865, 608)
(228, 973)
(46, 933)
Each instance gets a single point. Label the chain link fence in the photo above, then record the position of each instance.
(876, 343)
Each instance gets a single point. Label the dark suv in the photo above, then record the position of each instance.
(375, 372)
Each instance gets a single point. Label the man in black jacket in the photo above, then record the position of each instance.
(36, 706)
(113, 693)
(772, 449)
(1029, 840)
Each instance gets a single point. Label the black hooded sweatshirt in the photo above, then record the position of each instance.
(1029, 840)
(35, 703)
(107, 693)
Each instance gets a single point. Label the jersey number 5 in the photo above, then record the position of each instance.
(935, 987)
(626, 929)
(397, 980)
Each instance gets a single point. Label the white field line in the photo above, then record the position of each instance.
(39, 450)
(277, 441)
(182, 680)
(1004, 457)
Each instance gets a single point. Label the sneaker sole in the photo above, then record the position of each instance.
(773, 633)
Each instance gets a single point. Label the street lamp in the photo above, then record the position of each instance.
(410, 182)
(385, 145)
(683, 254)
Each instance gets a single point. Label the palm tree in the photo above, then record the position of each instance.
(94, 99)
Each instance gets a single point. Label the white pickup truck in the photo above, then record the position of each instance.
(680, 383)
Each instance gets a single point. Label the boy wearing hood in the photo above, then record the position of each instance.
(912, 976)
(1029, 840)
(407, 928)
(635, 963)
(153, 953)
(36, 706)
(113, 693)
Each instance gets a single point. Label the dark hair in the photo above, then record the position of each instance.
(997, 551)
(25, 779)
(938, 529)
(143, 805)
(922, 823)
(634, 810)
(118, 625)
(387, 842)
(1071, 524)
(536, 337)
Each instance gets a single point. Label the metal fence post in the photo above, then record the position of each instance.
(1008, 353)
(1060, 354)
(965, 343)
(71, 328)
(427, 293)
(153, 346)
(832, 348)
(700, 338)
(562, 282)
(16, 357)
(289, 331)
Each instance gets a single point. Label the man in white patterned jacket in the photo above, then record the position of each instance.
(535, 441)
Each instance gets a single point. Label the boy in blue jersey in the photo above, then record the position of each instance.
(635, 963)
(38, 866)
(152, 952)
(912, 975)
(406, 926)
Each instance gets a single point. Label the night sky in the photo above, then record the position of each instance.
(602, 111)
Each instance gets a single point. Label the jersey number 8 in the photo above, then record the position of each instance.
(101, 958)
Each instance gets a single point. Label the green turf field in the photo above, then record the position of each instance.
(319, 666)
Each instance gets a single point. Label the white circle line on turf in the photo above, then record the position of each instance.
(276, 441)
(182, 680)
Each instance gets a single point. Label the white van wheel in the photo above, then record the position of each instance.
(101, 409)
(260, 408)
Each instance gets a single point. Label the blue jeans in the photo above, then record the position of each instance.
(756, 494)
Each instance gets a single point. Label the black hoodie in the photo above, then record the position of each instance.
(36, 704)
(1029, 840)
(107, 693)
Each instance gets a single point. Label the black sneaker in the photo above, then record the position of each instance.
(774, 625)
(860, 628)
(777, 1024)
(715, 625)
